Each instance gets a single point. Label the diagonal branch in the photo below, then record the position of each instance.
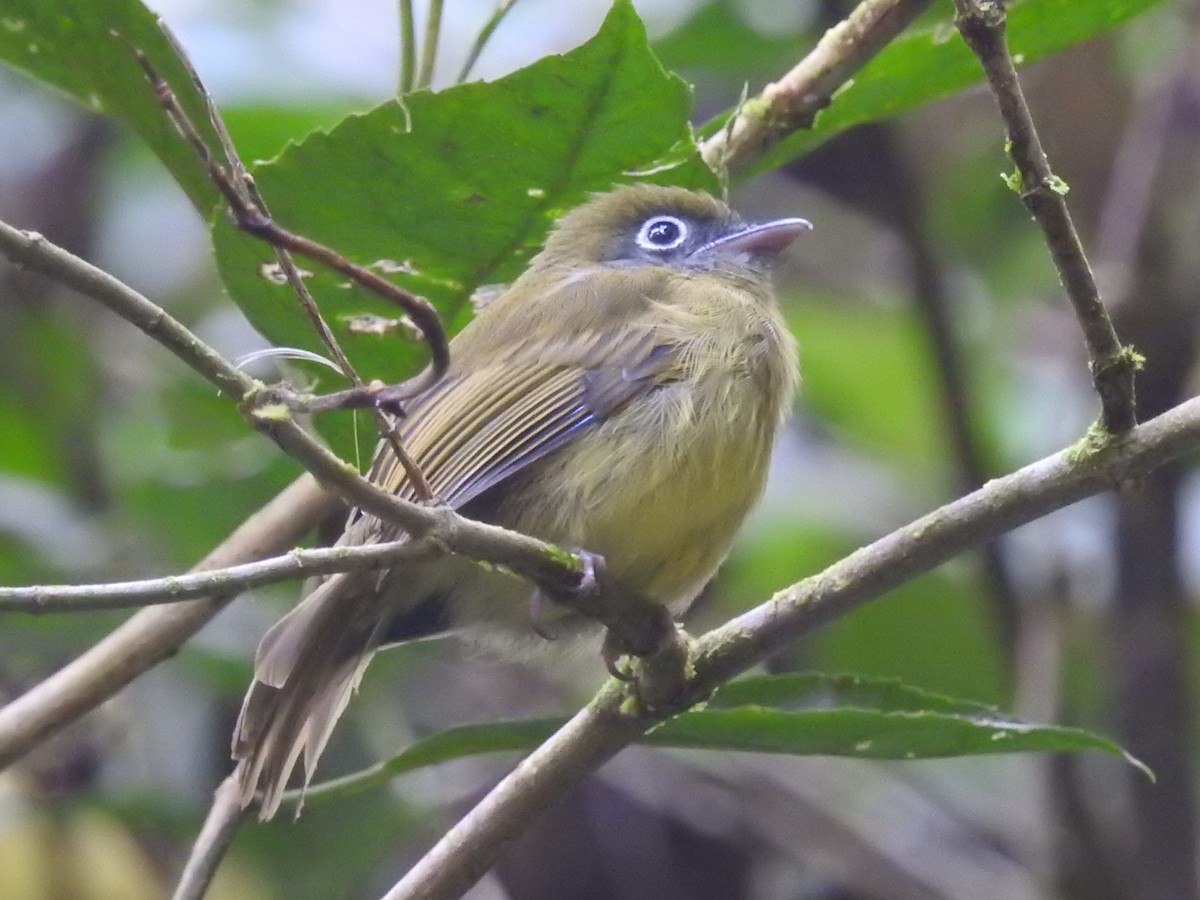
(481, 39)
(611, 721)
(572, 578)
(251, 217)
(982, 25)
(220, 827)
(268, 411)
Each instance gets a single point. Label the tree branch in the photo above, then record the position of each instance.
(611, 721)
(267, 409)
(982, 24)
(220, 827)
(153, 635)
(792, 102)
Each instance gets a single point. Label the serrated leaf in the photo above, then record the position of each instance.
(803, 714)
(448, 191)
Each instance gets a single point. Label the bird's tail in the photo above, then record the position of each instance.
(307, 667)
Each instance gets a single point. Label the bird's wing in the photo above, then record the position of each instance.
(478, 428)
(468, 434)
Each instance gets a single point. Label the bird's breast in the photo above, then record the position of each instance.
(662, 486)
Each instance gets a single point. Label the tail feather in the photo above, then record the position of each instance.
(307, 667)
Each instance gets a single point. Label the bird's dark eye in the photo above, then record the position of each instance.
(662, 233)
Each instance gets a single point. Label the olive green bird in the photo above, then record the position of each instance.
(622, 396)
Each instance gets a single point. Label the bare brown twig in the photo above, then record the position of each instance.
(254, 220)
(982, 24)
(153, 635)
(611, 721)
(293, 565)
(233, 180)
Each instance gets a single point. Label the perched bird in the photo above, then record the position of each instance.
(622, 396)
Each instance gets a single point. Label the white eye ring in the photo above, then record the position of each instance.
(662, 233)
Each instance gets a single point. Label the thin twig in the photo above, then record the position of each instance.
(610, 722)
(220, 826)
(481, 39)
(429, 47)
(293, 565)
(982, 25)
(253, 220)
(153, 635)
(792, 102)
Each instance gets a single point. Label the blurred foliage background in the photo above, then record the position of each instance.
(937, 351)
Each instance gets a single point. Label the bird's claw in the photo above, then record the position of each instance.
(612, 652)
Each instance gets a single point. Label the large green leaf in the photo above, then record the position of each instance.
(815, 690)
(931, 61)
(448, 191)
(70, 44)
(798, 714)
(867, 718)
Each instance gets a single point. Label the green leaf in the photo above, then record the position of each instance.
(931, 61)
(453, 743)
(445, 192)
(261, 130)
(800, 714)
(867, 718)
(69, 44)
(809, 690)
(949, 612)
(871, 734)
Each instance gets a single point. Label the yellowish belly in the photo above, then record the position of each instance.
(660, 489)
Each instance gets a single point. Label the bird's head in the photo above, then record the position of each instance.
(649, 224)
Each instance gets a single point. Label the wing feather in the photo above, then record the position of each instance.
(472, 431)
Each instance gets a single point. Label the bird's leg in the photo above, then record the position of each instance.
(637, 625)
